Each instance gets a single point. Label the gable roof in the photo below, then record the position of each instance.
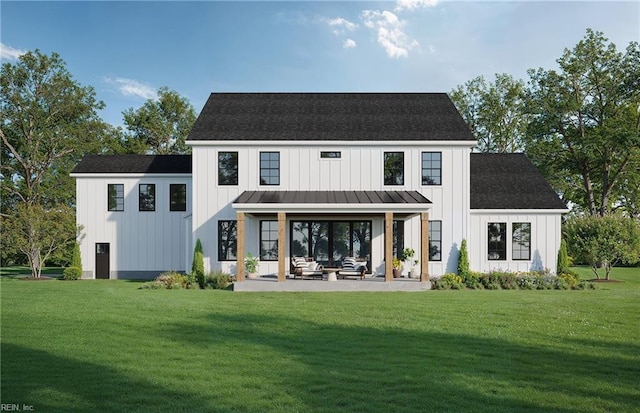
(509, 181)
(143, 164)
(329, 117)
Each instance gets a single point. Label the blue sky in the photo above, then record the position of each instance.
(127, 50)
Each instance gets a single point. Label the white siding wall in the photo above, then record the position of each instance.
(141, 243)
(359, 168)
(545, 241)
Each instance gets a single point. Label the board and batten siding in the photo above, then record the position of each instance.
(360, 168)
(142, 243)
(545, 240)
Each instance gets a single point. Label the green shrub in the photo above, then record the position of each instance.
(507, 281)
(173, 280)
(570, 279)
(448, 281)
(463, 263)
(563, 259)
(72, 273)
(197, 266)
(490, 280)
(217, 280)
(527, 281)
(76, 259)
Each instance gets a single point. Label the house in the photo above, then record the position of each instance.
(322, 175)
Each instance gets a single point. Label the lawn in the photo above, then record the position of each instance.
(89, 346)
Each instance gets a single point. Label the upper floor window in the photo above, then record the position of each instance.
(269, 240)
(431, 168)
(178, 197)
(521, 241)
(147, 197)
(435, 240)
(269, 168)
(394, 168)
(228, 168)
(115, 194)
(227, 240)
(497, 241)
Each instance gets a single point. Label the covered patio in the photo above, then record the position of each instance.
(283, 205)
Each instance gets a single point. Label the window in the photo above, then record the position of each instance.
(521, 241)
(227, 240)
(228, 168)
(147, 197)
(394, 168)
(431, 168)
(398, 239)
(115, 195)
(269, 168)
(330, 155)
(178, 197)
(435, 240)
(269, 240)
(497, 245)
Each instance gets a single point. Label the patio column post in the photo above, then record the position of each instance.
(424, 247)
(240, 247)
(282, 219)
(388, 246)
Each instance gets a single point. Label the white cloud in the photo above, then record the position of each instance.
(130, 87)
(414, 4)
(349, 44)
(9, 53)
(390, 35)
(341, 22)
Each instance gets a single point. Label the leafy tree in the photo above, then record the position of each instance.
(160, 126)
(494, 112)
(38, 232)
(48, 122)
(584, 132)
(603, 241)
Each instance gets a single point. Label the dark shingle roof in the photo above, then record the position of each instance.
(330, 117)
(150, 164)
(509, 181)
(331, 197)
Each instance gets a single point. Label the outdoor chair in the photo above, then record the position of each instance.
(304, 268)
(352, 268)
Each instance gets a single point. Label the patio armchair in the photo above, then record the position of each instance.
(305, 268)
(352, 268)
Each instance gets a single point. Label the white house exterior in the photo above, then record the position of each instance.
(326, 176)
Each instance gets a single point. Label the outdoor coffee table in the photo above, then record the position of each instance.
(332, 273)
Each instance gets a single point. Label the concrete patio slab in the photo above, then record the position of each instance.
(264, 284)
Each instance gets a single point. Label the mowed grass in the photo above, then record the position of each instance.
(89, 346)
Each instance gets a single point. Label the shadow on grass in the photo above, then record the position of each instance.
(333, 367)
(51, 383)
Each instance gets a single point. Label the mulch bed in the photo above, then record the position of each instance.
(602, 280)
(41, 278)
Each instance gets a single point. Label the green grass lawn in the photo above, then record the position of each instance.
(106, 346)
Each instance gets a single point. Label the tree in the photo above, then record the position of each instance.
(463, 261)
(603, 241)
(494, 112)
(584, 132)
(563, 259)
(48, 122)
(38, 232)
(160, 126)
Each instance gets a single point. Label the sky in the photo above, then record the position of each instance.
(127, 50)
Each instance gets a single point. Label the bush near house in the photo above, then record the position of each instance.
(72, 273)
(503, 280)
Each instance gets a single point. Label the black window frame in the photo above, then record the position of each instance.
(270, 168)
(435, 242)
(141, 199)
(271, 238)
(228, 245)
(431, 175)
(497, 246)
(518, 244)
(393, 169)
(177, 206)
(330, 154)
(228, 168)
(118, 195)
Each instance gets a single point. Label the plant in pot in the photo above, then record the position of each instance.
(251, 265)
(407, 256)
(396, 263)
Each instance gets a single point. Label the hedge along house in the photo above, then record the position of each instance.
(322, 175)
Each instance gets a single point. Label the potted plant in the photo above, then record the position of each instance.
(396, 263)
(407, 256)
(251, 265)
